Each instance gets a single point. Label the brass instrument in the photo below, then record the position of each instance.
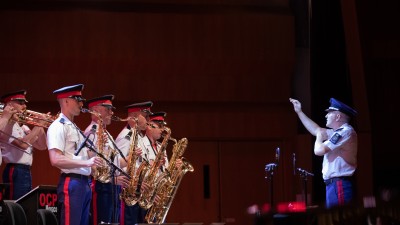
(147, 196)
(168, 187)
(101, 173)
(4, 143)
(118, 119)
(31, 117)
(131, 193)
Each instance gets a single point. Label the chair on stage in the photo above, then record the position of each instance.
(15, 214)
(46, 217)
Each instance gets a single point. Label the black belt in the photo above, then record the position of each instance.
(23, 166)
(75, 175)
(334, 179)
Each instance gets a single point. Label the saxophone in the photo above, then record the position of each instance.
(168, 187)
(131, 194)
(147, 196)
(101, 173)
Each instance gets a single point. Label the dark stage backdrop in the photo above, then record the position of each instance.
(223, 73)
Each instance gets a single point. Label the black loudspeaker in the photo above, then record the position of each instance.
(3, 210)
(46, 217)
(41, 197)
(14, 213)
(3, 189)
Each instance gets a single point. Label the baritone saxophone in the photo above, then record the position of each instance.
(147, 196)
(168, 186)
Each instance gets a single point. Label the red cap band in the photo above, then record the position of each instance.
(68, 94)
(157, 118)
(9, 98)
(106, 102)
(137, 109)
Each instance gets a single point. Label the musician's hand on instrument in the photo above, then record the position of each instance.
(138, 151)
(105, 136)
(151, 162)
(163, 160)
(9, 111)
(122, 180)
(178, 163)
(157, 198)
(95, 161)
(144, 187)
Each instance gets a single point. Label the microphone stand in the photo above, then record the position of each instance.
(304, 174)
(269, 169)
(113, 169)
(114, 196)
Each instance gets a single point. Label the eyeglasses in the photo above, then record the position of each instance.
(77, 98)
(108, 107)
(154, 126)
(148, 112)
(157, 124)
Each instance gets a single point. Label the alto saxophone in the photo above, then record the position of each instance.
(168, 187)
(101, 173)
(147, 196)
(130, 195)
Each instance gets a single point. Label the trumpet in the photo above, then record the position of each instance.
(32, 118)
